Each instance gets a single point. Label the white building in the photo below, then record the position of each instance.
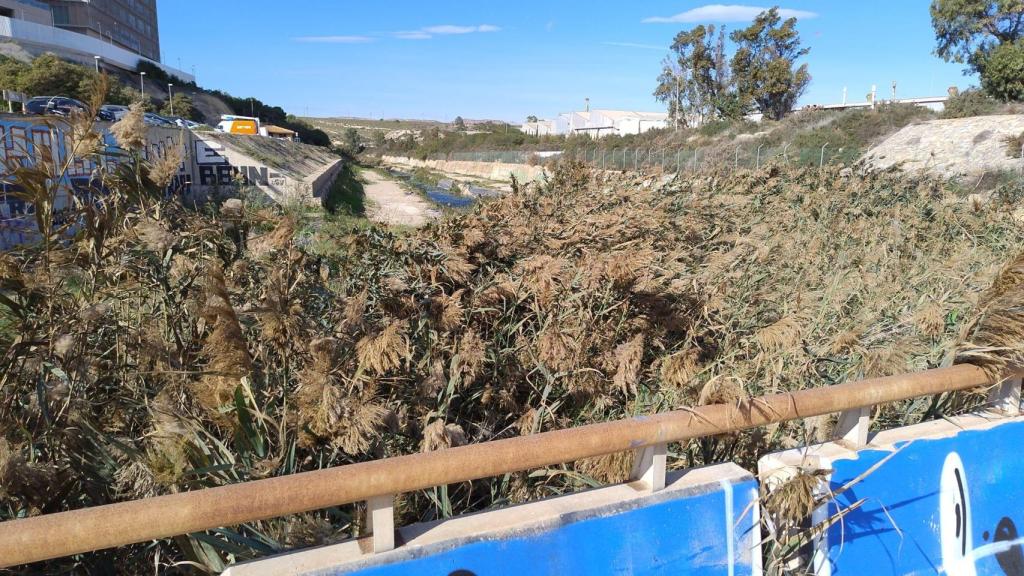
(539, 128)
(598, 123)
(571, 122)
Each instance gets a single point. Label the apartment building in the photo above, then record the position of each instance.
(130, 24)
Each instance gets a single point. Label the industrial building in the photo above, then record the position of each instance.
(598, 123)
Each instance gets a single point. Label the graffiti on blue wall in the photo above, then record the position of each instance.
(25, 143)
(709, 531)
(949, 505)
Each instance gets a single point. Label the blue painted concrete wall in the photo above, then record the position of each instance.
(951, 505)
(707, 534)
(23, 141)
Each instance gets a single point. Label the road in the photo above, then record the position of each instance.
(390, 203)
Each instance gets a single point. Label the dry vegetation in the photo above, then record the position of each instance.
(166, 350)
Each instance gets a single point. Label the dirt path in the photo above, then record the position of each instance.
(392, 204)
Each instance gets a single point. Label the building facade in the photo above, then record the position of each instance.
(108, 33)
(130, 24)
(28, 10)
(598, 123)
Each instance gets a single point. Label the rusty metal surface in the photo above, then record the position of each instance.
(77, 531)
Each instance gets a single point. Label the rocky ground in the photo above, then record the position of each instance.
(951, 148)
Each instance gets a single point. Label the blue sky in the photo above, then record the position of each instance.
(505, 60)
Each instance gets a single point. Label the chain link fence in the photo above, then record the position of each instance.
(671, 159)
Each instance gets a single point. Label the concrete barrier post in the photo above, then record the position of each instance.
(649, 467)
(853, 426)
(1005, 397)
(380, 519)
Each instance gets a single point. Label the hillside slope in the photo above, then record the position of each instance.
(951, 148)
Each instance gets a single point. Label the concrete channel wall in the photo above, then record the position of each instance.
(497, 171)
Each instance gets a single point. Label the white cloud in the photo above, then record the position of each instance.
(725, 13)
(334, 39)
(413, 35)
(635, 45)
(444, 30)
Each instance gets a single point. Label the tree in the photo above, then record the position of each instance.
(11, 71)
(695, 80)
(48, 75)
(379, 139)
(1004, 72)
(762, 66)
(531, 118)
(459, 124)
(985, 35)
(352, 141)
(182, 107)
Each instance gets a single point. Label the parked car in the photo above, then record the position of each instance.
(184, 122)
(105, 116)
(152, 119)
(116, 110)
(55, 105)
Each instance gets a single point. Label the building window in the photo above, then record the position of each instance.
(6, 12)
(60, 15)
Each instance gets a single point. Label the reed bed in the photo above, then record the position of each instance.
(164, 349)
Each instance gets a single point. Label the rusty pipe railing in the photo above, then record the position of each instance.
(65, 533)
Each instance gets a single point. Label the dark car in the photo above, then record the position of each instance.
(55, 105)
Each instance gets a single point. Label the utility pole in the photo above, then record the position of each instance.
(894, 91)
(142, 84)
(588, 103)
(844, 95)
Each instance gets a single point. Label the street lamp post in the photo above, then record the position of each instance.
(170, 97)
(142, 84)
(96, 59)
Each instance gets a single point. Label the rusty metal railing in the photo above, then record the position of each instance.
(377, 482)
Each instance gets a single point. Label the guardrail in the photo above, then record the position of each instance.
(377, 482)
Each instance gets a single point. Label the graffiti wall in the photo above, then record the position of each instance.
(935, 501)
(26, 142)
(208, 167)
(701, 523)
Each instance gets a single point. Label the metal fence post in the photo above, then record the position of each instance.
(785, 152)
(695, 150)
(679, 161)
(758, 164)
(636, 158)
(821, 161)
(736, 161)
